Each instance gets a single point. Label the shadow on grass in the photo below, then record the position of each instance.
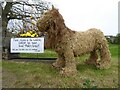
(85, 67)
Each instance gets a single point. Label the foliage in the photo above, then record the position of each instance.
(117, 39)
(114, 39)
(87, 84)
(22, 11)
(29, 30)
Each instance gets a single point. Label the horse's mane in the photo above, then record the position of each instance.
(57, 18)
(59, 24)
(57, 28)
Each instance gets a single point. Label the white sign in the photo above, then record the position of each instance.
(27, 45)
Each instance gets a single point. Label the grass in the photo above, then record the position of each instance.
(114, 50)
(47, 53)
(21, 74)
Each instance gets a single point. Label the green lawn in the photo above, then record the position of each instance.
(114, 49)
(38, 74)
(47, 53)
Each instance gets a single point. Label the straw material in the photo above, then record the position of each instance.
(69, 44)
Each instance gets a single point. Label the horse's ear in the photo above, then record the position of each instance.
(53, 7)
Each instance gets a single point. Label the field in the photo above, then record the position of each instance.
(40, 74)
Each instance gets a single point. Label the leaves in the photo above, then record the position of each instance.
(88, 84)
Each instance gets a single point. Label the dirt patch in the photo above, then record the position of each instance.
(8, 79)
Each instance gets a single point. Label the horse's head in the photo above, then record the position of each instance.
(49, 20)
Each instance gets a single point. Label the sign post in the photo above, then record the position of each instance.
(27, 45)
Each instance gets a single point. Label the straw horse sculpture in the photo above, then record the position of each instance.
(69, 44)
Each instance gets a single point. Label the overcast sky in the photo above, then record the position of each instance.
(81, 15)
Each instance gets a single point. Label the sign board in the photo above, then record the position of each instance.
(27, 45)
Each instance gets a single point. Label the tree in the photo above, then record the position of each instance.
(20, 11)
(117, 39)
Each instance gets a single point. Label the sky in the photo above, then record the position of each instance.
(81, 15)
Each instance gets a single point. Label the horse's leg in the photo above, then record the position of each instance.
(60, 62)
(70, 64)
(93, 58)
(105, 56)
